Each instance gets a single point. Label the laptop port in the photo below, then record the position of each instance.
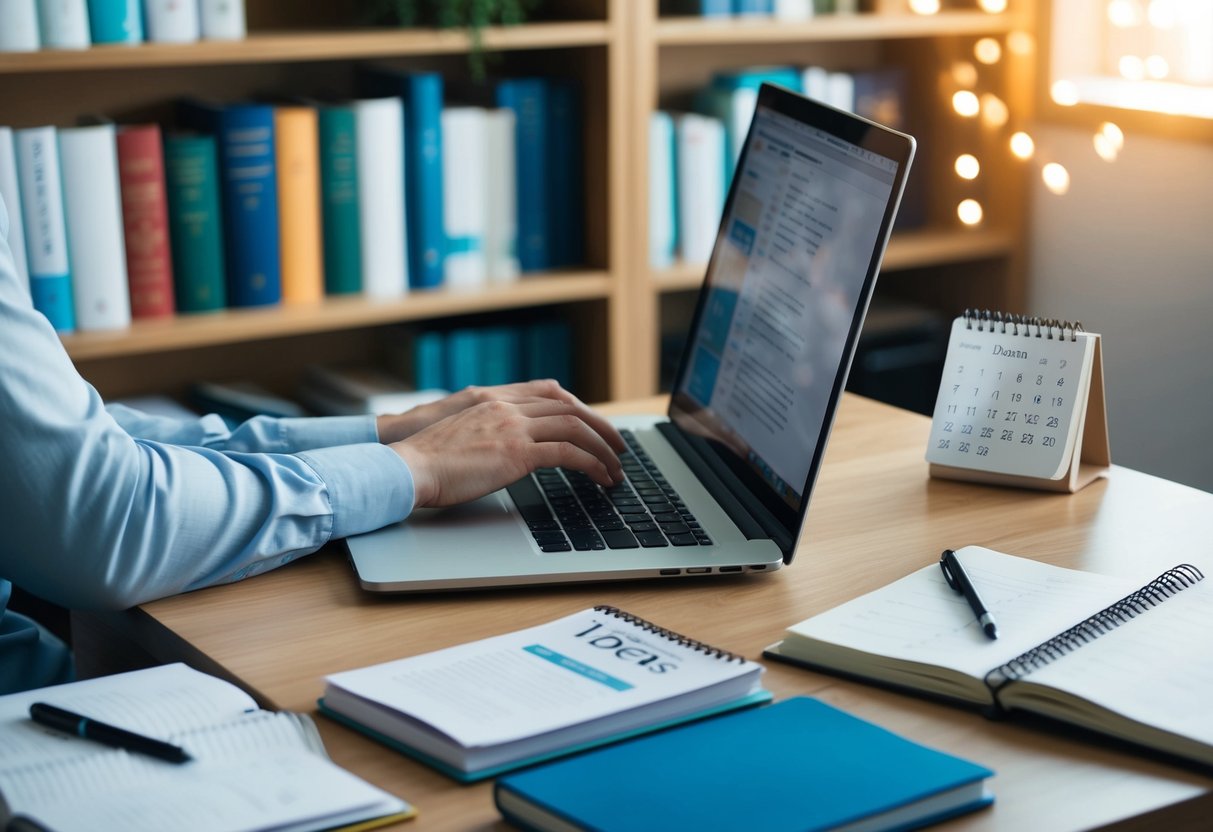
(671, 572)
(730, 569)
(758, 567)
(699, 570)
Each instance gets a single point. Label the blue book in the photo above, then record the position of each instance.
(422, 93)
(566, 198)
(50, 274)
(732, 98)
(528, 99)
(715, 8)
(249, 185)
(797, 765)
(429, 361)
(754, 7)
(500, 355)
(548, 353)
(115, 21)
(462, 358)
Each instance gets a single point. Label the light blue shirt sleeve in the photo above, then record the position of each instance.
(107, 510)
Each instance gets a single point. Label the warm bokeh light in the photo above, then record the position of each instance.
(987, 50)
(1161, 14)
(1022, 145)
(1104, 147)
(994, 112)
(1021, 43)
(1064, 93)
(1114, 134)
(969, 211)
(967, 166)
(1133, 68)
(993, 6)
(966, 104)
(1124, 14)
(1157, 67)
(1056, 178)
(924, 6)
(964, 74)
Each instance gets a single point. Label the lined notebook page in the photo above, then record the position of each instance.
(920, 618)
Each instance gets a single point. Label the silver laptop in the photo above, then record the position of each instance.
(722, 485)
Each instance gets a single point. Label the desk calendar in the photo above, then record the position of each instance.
(1021, 403)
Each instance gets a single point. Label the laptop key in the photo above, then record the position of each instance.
(543, 526)
(667, 517)
(687, 539)
(556, 547)
(620, 539)
(543, 538)
(642, 527)
(585, 540)
(675, 528)
(651, 539)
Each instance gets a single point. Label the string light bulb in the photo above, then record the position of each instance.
(1124, 14)
(994, 112)
(1114, 134)
(924, 6)
(969, 211)
(1161, 14)
(1056, 178)
(1064, 93)
(967, 166)
(964, 74)
(993, 6)
(1109, 140)
(1132, 67)
(1157, 67)
(965, 103)
(1021, 42)
(988, 51)
(1022, 145)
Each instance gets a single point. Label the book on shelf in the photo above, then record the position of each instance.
(565, 178)
(300, 229)
(481, 708)
(501, 224)
(382, 211)
(527, 99)
(493, 354)
(238, 401)
(465, 182)
(663, 186)
(172, 21)
(339, 199)
(41, 184)
(701, 160)
(732, 97)
(149, 261)
(251, 769)
(221, 19)
(195, 221)
(348, 391)
(19, 26)
(93, 212)
(1121, 657)
(834, 771)
(115, 21)
(63, 24)
(10, 192)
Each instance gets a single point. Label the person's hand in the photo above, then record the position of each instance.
(489, 445)
(393, 428)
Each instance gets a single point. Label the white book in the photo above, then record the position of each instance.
(501, 231)
(840, 91)
(348, 391)
(10, 192)
(172, 21)
(250, 769)
(661, 190)
(19, 26)
(793, 9)
(379, 137)
(700, 152)
(64, 24)
(92, 205)
(223, 19)
(45, 228)
(465, 163)
(815, 81)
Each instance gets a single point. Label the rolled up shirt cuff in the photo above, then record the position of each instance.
(369, 486)
(327, 432)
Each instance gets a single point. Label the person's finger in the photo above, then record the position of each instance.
(595, 420)
(564, 454)
(568, 427)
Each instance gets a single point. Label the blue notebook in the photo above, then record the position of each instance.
(797, 765)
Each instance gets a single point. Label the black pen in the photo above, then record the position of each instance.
(91, 729)
(956, 577)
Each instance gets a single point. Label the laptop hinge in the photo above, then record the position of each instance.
(745, 510)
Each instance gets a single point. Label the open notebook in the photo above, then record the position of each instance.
(252, 769)
(1113, 655)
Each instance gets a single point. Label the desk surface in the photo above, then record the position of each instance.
(874, 517)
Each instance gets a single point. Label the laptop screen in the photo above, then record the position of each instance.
(786, 290)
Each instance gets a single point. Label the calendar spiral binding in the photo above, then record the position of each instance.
(1151, 595)
(1032, 327)
(670, 635)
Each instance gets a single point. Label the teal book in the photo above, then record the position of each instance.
(548, 351)
(566, 199)
(527, 98)
(191, 177)
(795, 766)
(429, 361)
(339, 201)
(732, 98)
(462, 358)
(115, 21)
(500, 355)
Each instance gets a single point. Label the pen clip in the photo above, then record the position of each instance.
(947, 573)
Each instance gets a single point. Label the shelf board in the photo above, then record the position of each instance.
(698, 31)
(277, 47)
(908, 250)
(337, 313)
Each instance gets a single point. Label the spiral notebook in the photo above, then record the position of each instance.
(477, 709)
(1021, 402)
(1127, 659)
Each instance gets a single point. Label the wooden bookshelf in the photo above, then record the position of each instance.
(694, 31)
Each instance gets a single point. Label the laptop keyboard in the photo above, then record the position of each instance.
(566, 510)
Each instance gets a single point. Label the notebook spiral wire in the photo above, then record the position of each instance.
(670, 635)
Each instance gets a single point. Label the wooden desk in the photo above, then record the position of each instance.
(874, 517)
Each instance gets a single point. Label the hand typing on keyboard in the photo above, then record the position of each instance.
(476, 447)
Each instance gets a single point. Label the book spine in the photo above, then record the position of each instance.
(501, 232)
(10, 193)
(840, 91)
(63, 24)
(339, 197)
(715, 8)
(423, 177)
(19, 27)
(379, 137)
(465, 177)
(527, 98)
(566, 200)
(815, 81)
(753, 8)
(222, 19)
(172, 21)
(500, 356)
(429, 361)
(93, 208)
(661, 190)
(700, 184)
(191, 170)
(297, 161)
(115, 21)
(45, 225)
(547, 351)
(792, 10)
(149, 263)
(462, 358)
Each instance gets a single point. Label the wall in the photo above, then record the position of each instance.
(1129, 251)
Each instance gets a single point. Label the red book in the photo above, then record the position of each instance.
(149, 264)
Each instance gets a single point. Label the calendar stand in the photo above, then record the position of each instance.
(1088, 457)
